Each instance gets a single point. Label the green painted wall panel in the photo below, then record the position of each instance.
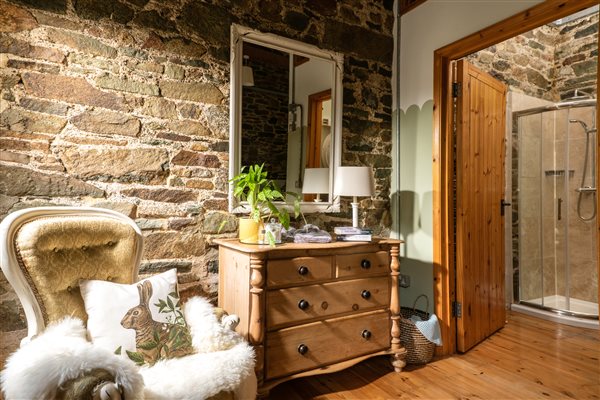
(415, 201)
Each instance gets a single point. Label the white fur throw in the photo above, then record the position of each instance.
(223, 362)
(62, 353)
(208, 334)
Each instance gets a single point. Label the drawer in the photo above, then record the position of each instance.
(294, 305)
(298, 270)
(362, 264)
(325, 342)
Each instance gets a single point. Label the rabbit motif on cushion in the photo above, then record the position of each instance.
(155, 340)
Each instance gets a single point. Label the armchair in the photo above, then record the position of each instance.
(44, 253)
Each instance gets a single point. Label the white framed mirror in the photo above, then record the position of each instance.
(286, 112)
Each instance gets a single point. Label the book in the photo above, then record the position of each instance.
(354, 238)
(351, 230)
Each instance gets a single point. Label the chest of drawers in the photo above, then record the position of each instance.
(313, 308)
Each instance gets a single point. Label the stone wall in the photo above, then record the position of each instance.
(124, 104)
(576, 57)
(549, 62)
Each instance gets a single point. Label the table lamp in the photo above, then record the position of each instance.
(355, 182)
(316, 181)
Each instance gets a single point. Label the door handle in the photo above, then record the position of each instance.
(502, 205)
(559, 202)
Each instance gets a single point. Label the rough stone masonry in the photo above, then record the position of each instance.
(124, 104)
(549, 62)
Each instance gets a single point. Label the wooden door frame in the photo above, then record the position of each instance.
(313, 132)
(315, 125)
(443, 225)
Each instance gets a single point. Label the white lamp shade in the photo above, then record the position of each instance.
(316, 180)
(247, 76)
(354, 181)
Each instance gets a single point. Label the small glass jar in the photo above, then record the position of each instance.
(273, 230)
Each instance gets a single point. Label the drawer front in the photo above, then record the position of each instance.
(325, 342)
(298, 270)
(294, 305)
(348, 265)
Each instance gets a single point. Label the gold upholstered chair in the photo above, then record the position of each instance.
(45, 252)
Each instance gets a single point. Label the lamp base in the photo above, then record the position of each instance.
(354, 214)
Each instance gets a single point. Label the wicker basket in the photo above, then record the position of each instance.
(419, 350)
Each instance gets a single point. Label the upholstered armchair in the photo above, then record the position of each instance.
(45, 253)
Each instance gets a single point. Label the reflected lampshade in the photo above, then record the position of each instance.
(316, 180)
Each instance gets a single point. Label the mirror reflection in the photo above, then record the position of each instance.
(286, 97)
(286, 114)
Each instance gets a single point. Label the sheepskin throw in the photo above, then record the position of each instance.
(62, 353)
(223, 362)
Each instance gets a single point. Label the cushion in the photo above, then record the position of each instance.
(142, 321)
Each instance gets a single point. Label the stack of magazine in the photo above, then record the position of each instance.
(352, 234)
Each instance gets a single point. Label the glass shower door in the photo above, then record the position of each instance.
(581, 278)
(555, 201)
(557, 234)
(530, 208)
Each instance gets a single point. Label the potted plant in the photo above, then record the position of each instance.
(253, 185)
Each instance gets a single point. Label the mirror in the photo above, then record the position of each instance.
(285, 112)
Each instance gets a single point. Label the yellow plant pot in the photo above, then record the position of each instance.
(249, 229)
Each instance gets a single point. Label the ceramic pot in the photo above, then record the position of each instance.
(248, 230)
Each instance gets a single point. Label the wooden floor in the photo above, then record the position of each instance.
(528, 359)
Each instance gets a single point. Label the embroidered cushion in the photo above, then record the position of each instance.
(142, 321)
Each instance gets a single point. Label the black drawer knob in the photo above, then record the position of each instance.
(365, 264)
(365, 294)
(366, 334)
(303, 270)
(303, 304)
(303, 349)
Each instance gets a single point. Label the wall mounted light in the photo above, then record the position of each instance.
(247, 74)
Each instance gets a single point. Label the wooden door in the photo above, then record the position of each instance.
(480, 155)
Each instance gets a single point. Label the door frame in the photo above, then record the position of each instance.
(443, 173)
(315, 104)
(314, 132)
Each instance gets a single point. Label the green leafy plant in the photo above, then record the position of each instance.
(179, 334)
(253, 185)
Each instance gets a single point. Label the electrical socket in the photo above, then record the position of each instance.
(404, 281)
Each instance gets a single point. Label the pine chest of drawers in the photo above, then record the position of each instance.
(313, 308)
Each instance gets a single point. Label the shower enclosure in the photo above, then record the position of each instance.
(554, 224)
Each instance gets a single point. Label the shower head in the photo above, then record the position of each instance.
(583, 124)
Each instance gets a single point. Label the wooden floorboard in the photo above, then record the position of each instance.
(529, 358)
